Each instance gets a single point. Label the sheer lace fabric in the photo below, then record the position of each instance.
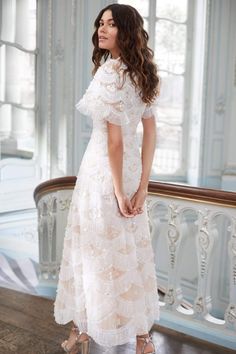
(107, 283)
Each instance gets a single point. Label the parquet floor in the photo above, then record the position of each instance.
(27, 327)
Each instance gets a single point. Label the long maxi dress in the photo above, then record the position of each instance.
(107, 281)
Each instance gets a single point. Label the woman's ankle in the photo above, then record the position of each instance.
(140, 336)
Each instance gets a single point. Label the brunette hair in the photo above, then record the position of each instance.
(134, 52)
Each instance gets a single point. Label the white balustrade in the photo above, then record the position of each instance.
(194, 241)
(53, 201)
(201, 236)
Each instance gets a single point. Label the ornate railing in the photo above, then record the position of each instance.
(194, 240)
(52, 199)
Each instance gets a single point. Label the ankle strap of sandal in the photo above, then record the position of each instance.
(145, 339)
(79, 333)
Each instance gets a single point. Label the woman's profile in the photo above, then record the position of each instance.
(107, 282)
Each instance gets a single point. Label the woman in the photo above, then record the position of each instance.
(107, 284)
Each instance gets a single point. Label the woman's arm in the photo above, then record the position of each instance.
(148, 149)
(115, 153)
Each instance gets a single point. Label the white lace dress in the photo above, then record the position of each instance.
(107, 282)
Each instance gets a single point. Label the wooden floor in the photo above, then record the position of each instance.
(27, 327)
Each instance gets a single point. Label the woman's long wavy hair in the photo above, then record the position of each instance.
(134, 52)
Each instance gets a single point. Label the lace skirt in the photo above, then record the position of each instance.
(107, 282)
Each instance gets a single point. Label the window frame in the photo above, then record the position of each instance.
(33, 108)
(19, 176)
(182, 174)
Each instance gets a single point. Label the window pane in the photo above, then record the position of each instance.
(8, 14)
(141, 5)
(167, 158)
(169, 125)
(145, 25)
(17, 82)
(17, 78)
(172, 9)
(19, 22)
(5, 121)
(17, 132)
(170, 102)
(170, 46)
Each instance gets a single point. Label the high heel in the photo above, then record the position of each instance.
(146, 340)
(79, 346)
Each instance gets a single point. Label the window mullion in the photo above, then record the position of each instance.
(152, 23)
(18, 46)
(17, 105)
(187, 85)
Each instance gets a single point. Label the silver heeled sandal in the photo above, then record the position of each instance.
(79, 346)
(146, 340)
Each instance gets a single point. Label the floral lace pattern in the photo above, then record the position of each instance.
(107, 282)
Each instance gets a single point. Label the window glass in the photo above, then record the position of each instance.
(18, 22)
(172, 9)
(141, 5)
(17, 78)
(168, 157)
(170, 46)
(17, 132)
(167, 22)
(18, 68)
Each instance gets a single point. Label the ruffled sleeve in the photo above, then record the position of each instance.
(150, 111)
(107, 97)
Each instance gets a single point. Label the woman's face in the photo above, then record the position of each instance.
(107, 34)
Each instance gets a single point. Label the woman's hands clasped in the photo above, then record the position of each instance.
(131, 207)
(124, 205)
(138, 200)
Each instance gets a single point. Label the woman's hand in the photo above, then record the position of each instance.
(125, 205)
(138, 200)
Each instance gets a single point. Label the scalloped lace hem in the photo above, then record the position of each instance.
(107, 338)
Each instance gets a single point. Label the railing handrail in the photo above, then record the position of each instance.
(198, 194)
(171, 190)
(54, 184)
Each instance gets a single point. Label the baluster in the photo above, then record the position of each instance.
(41, 207)
(51, 219)
(230, 313)
(63, 206)
(205, 242)
(43, 239)
(174, 294)
(46, 230)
